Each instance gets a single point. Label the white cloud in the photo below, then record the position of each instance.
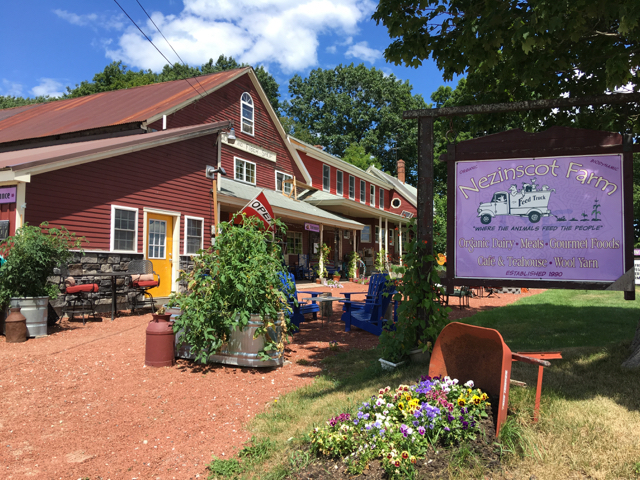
(110, 22)
(9, 88)
(331, 49)
(284, 32)
(48, 87)
(362, 51)
(76, 19)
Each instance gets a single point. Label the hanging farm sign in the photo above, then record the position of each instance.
(554, 218)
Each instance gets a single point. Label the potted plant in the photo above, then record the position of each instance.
(380, 261)
(31, 255)
(354, 258)
(336, 275)
(237, 292)
(322, 263)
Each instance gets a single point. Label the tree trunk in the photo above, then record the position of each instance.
(634, 359)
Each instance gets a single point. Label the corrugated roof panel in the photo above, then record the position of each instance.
(31, 157)
(104, 109)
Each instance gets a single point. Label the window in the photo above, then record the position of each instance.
(390, 237)
(365, 235)
(124, 229)
(280, 185)
(378, 234)
(395, 203)
(246, 112)
(381, 202)
(372, 196)
(352, 187)
(157, 239)
(326, 177)
(363, 193)
(339, 189)
(294, 243)
(245, 171)
(193, 237)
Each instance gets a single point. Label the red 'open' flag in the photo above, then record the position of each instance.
(258, 207)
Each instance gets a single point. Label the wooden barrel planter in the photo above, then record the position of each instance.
(241, 349)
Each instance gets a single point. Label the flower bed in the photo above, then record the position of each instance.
(399, 427)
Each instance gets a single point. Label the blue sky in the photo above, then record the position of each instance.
(46, 45)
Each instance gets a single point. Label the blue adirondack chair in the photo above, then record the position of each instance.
(300, 309)
(369, 315)
(376, 283)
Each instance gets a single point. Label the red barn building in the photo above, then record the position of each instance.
(126, 169)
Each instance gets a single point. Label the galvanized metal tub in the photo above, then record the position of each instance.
(35, 310)
(241, 349)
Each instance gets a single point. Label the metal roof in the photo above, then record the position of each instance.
(407, 191)
(37, 160)
(280, 203)
(138, 104)
(347, 206)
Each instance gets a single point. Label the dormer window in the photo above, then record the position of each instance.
(246, 112)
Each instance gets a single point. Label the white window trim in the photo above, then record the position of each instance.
(255, 171)
(393, 200)
(253, 121)
(381, 194)
(184, 234)
(328, 189)
(113, 229)
(363, 191)
(351, 177)
(276, 179)
(341, 193)
(372, 195)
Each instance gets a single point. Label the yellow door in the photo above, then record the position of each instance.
(160, 250)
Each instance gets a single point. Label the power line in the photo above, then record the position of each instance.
(163, 55)
(165, 39)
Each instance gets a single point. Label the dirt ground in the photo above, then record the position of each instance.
(81, 403)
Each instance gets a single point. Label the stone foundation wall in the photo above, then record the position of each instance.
(82, 266)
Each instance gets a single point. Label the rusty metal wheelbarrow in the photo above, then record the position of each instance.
(467, 352)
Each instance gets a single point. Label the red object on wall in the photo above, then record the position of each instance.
(159, 349)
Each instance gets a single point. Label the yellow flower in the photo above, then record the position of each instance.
(400, 406)
(461, 402)
(484, 397)
(476, 399)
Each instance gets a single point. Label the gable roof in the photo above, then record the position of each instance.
(144, 104)
(407, 191)
(321, 155)
(21, 164)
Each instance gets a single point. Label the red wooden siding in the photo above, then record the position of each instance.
(8, 212)
(315, 169)
(170, 177)
(224, 104)
(404, 204)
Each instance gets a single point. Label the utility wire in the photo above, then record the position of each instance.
(163, 55)
(165, 39)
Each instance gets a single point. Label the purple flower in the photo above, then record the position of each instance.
(422, 431)
(366, 404)
(360, 414)
(377, 424)
(416, 423)
(450, 418)
(447, 429)
(366, 416)
(465, 425)
(461, 418)
(464, 410)
(368, 427)
(356, 421)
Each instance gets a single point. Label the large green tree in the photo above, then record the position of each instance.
(521, 50)
(355, 104)
(10, 101)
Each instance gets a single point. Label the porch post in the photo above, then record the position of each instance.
(386, 239)
(320, 262)
(379, 233)
(400, 242)
(354, 240)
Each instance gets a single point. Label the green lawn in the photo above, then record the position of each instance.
(558, 319)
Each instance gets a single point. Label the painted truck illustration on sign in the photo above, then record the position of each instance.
(527, 202)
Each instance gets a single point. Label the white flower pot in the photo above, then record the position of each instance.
(387, 365)
(35, 310)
